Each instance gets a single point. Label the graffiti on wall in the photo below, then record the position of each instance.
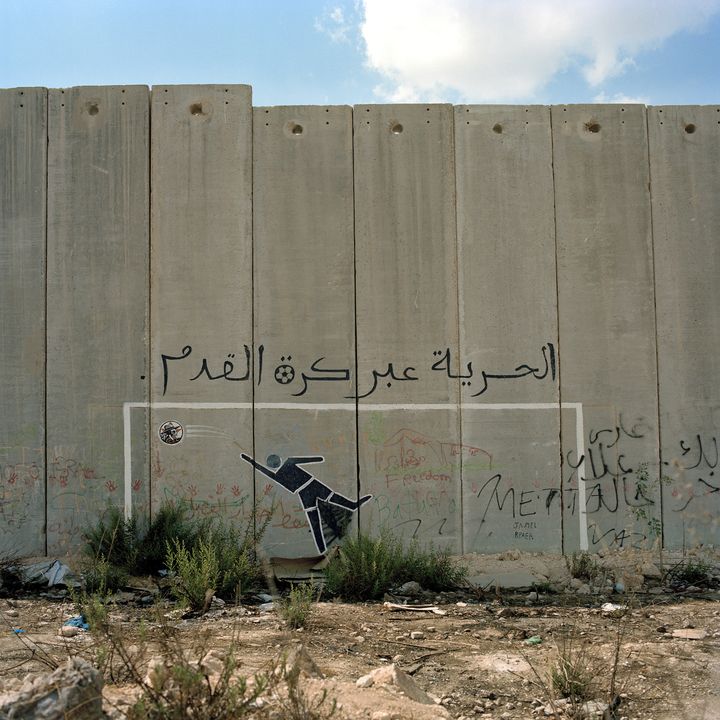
(21, 489)
(322, 371)
(327, 511)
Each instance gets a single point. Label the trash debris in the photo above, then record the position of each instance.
(613, 609)
(534, 640)
(415, 608)
(78, 621)
(18, 631)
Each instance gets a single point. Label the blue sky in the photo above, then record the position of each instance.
(360, 51)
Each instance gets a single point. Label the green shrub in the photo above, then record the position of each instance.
(196, 573)
(113, 538)
(238, 564)
(434, 569)
(365, 568)
(690, 573)
(295, 608)
(170, 523)
(179, 542)
(104, 577)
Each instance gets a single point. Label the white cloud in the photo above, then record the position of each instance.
(501, 50)
(334, 24)
(621, 98)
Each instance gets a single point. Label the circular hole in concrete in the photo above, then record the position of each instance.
(296, 129)
(592, 126)
(690, 128)
(396, 129)
(92, 109)
(497, 128)
(196, 109)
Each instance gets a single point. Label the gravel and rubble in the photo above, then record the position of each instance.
(488, 656)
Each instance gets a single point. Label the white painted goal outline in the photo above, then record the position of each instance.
(352, 407)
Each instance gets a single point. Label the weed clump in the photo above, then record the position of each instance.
(572, 675)
(583, 566)
(206, 552)
(295, 608)
(365, 568)
(690, 573)
(196, 573)
(169, 524)
(113, 539)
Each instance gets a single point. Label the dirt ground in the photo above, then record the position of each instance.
(475, 659)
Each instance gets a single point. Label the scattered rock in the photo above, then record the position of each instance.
(297, 660)
(417, 635)
(69, 631)
(393, 676)
(650, 570)
(410, 588)
(690, 634)
(72, 692)
(632, 581)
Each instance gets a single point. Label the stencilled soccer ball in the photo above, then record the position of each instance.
(171, 432)
(284, 374)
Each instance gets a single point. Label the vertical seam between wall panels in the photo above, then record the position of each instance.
(355, 320)
(559, 354)
(45, 300)
(453, 156)
(657, 353)
(148, 364)
(252, 312)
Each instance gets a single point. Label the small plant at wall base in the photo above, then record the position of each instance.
(364, 568)
(175, 540)
(690, 572)
(295, 608)
(643, 489)
(582, 566)
(195, 573)
(113, 539)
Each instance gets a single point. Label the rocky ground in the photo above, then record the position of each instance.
(653, 647)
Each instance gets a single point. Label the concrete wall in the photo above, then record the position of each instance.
(484, 327)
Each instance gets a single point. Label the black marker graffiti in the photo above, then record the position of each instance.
(286, 374)
(389, 373)
(329, 375)
(548, 352)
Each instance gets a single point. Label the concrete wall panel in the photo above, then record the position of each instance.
(606, 322)
(23, 157)
(97, 294)
(201, 299)
(684, 161)
(304, 313)
(406, 270)
(508, 327)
